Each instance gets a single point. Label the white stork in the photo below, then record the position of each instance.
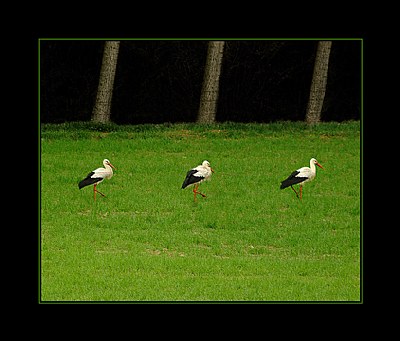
(197, 175)
(97, 176)
(301, 176)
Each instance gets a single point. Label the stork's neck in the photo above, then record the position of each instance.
(108, 168)
(312, 166)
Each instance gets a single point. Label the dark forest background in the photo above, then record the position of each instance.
(160, 81)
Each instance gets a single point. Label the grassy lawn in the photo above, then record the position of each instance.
(247, 241)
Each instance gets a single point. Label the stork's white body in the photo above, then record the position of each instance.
(102, 173)
(202, 172)
(307, 172)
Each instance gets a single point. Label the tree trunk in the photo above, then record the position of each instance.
(209, 92)
(318, 83)
(102, 108)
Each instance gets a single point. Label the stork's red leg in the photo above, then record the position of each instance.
(100, 193)
(301, 192)
(295, 191)
(203, 195)
(195, 191)
(97, 191)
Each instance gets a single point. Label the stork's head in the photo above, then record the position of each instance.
(315, 162)
(207, 164)
(106, 162)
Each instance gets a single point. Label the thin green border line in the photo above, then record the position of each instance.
(202, 39)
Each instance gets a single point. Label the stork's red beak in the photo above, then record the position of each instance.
(320, 166)
(111, 165)
(212, 170)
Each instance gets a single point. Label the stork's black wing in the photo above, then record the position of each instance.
(292, 180)
(88, 180)
(192, 177)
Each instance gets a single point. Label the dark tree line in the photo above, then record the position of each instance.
(161, 81)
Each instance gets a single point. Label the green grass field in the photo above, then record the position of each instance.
(247, 241)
